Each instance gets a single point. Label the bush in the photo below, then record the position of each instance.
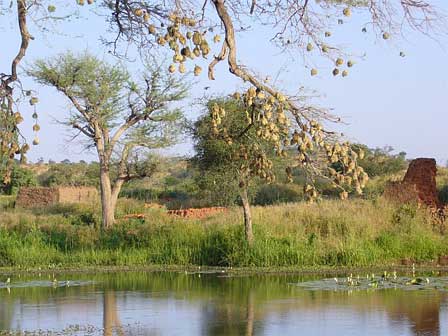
(277, 193)
(20, 177)
(443, 195)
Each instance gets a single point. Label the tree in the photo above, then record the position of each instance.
(73, 174)
(235, 159)
(303, 25)
(184, 29)
(382, 161)
(119, 116)
(39, 14)
(9, 119)
(20, 177)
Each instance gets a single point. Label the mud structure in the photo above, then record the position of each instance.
(32, 197)
(418, 185)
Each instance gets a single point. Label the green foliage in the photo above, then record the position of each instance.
(70, 174)
(443, 195)
(90, 80)
(20, 177)
(381, 161)
(331, 233)
(278, 193)
(219, 158)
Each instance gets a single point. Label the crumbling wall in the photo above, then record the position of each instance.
(29, 197)
(422, 173)
(77, 195)
(400, 192)
(418, 185)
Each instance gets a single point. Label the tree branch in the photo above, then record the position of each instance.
(25, 35)
(221, 56)
(86, 130)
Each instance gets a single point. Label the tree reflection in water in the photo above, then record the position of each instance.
(111, 321)
(165, 303)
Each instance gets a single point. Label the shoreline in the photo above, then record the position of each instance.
(235, 271)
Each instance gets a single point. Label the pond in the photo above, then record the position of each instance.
(170, 303)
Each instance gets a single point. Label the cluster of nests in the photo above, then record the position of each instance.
(18, 119)
(185, 46)
(82, 2)
(339, 61)
(264, 111)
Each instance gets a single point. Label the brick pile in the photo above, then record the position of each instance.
(196, 213)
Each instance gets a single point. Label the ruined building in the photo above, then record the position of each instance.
(39, 197)
(418, 185)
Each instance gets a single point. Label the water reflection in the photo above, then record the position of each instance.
(111, 321)
(181, 304)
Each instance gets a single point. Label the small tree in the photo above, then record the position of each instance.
(120, 117)
(20, 177)
(236, 157)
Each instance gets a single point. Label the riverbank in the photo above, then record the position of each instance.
(331, 234)
(326, 271)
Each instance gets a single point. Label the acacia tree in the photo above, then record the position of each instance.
(238, 157)
(187, 29)
(117, 115)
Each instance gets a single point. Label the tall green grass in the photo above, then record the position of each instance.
(330, 233)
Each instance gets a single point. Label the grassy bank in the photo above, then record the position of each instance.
(356, 233)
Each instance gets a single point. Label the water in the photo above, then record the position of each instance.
(214, 304)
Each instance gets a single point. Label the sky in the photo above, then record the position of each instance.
(386, 100)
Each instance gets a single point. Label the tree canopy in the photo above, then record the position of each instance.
(187, 29)
(118, 116)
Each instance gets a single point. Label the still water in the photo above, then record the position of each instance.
(213, 304)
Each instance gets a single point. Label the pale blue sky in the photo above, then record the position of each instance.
(386, 99)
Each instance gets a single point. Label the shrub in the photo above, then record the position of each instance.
(277, 193)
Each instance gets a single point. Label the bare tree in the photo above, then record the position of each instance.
(40, 15)
(9, 135)
(118, 116)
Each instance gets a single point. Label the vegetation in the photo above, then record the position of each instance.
(179, 26)
(70, 174)
(382, 161)
(20, 177)
(234, 160)
(119, 116)
(331, 233)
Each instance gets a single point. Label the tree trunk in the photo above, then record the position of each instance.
(107, 203)
(250, 315)
(247, 217)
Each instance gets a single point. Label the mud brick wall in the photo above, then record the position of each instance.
(40, 197)
(418, 185)
(400, 192)
(422, 173)
(36, 197)
(77, 195)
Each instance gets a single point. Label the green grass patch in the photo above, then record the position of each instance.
(356, 233)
